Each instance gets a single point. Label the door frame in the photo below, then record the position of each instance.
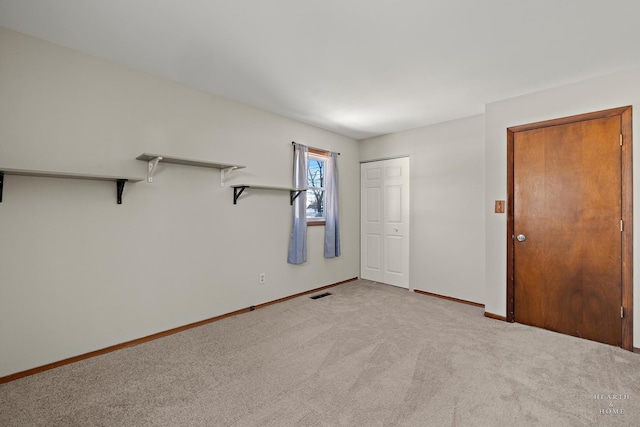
(627, 210)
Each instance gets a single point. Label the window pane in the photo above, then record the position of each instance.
(315, 174)
(315, 191)
(315, 203)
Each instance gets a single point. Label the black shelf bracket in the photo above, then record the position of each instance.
(237, 191)
(1, 184)
(293, 195)
(119, 189)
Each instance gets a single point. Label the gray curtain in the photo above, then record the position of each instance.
(332, 227)
(298, 241)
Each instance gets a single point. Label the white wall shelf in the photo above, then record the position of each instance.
(119, 180)
(293, 192)
(153, 160)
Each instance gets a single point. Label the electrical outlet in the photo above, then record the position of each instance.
(263, 278)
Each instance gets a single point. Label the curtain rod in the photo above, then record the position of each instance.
(319, 149)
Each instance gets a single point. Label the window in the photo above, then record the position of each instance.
(316, 187)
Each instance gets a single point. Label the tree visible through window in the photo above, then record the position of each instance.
(316, 187)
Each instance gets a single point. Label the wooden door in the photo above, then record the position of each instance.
(385, 221)
(567, 228)
(371, 222)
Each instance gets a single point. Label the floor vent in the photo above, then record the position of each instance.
(326, 294)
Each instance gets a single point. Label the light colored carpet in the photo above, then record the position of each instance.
(368, 355)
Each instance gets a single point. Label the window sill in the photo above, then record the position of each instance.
(314, 223)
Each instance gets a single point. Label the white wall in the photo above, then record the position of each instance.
(596, 94)
(447, 204)
(79, 272)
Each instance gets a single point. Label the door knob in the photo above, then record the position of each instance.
(521, 237)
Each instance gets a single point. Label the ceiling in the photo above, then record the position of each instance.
(360, 68)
